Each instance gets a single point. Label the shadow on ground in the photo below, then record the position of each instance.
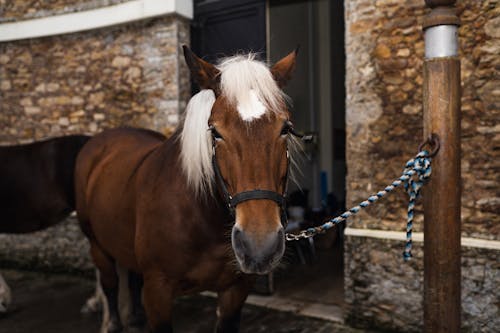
(51, 304)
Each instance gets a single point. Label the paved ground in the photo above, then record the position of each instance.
(51, 304)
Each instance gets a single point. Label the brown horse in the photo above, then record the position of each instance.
(203, 210)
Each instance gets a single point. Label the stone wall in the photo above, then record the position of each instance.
(385, 292)
(384, 46)
(61, 248)
(85, 82)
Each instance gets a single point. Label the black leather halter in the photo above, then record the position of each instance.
(233, 200)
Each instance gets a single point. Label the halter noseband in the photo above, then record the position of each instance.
(257, 194)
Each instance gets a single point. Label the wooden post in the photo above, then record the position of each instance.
(441, 100)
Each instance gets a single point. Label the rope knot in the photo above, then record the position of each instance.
(420, 167)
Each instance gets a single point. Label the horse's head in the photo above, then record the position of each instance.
(244, 123)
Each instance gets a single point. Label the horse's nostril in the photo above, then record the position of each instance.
(238, 238)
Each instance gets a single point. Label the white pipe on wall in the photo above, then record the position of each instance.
(130, 11)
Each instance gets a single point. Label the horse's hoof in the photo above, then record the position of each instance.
(4, 304)
(3, 308)
(5, 296)
(93, 305)
(114, 327)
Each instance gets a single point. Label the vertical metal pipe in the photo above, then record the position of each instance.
(442, 227)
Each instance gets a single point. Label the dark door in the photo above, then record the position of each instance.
(225, 27)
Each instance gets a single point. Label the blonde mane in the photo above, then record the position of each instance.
(244, 82)
(196, 142)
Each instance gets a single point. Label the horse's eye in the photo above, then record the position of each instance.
(215, 134)
(287, 126)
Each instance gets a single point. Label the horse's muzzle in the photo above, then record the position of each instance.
(258, 256)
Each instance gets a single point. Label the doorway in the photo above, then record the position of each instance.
(318, 94)
(313, 270)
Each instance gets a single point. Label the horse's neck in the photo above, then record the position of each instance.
(211, 203)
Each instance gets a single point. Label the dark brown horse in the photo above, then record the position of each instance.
(37, 183)
(202, 210)
(36, 187)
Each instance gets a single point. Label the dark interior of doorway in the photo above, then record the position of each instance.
(310, 273)
(313, 272)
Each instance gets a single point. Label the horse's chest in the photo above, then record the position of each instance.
(214, 270)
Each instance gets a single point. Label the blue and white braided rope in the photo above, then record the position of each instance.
(417, 171)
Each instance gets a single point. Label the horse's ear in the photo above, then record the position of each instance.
(283, 69)
(206, 75)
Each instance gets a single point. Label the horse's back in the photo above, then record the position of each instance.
(112, 156)
(36, 183)
(111, 146)
(105, 186)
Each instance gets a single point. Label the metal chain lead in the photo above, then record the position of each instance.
(419, 166)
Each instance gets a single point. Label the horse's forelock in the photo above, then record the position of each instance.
(249, 85)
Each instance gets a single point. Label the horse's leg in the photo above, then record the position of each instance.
(130, 303)
(136, 316)
(5, 295)
(158, 298)
(95, 302)
(230, 303)
(109, 283)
